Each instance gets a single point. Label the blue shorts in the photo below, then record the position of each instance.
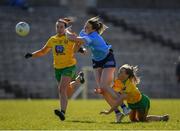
(107, 62)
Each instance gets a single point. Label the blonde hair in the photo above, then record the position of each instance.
(97, 24)
(131, 71)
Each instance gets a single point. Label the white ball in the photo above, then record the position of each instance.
(22, 28)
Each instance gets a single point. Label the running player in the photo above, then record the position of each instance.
(64, 62)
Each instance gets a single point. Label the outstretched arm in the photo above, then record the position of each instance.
(43, 51)
(75, 38)
(118, 102)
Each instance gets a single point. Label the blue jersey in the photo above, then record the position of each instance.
(96, 43)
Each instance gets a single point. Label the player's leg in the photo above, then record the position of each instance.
(58, 74)
(157, 118)
(97, 74)
(142, 115)
(106, 80)
(111, 101)
(132, 116)
(106, 95)
(65, 82)
(107, 75)
(71, 88)
(142, 108)
(79, 79)
(62, 88)
(105, 83)
(125, 108)
(65, 79)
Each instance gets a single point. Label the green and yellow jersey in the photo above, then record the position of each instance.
(129, 88)
(63, 51)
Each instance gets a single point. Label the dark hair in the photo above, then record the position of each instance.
(65, 20)
(97, 25)
(132, 72)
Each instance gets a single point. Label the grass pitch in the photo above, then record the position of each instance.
(81, 115)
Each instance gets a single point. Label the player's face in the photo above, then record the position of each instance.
(88, 28)
(123, 75)
(60, 28)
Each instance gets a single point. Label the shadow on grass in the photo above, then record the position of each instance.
(121, 122)
(79, 121)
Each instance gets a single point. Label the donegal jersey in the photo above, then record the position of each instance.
(118, 85)
(129, 88)
(63, 51)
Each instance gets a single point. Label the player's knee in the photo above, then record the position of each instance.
(62, 90)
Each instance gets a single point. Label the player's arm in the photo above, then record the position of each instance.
(78, 48)
(118, 102)
(75, 38)
(43, 51)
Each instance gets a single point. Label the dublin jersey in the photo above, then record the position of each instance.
(96, 43)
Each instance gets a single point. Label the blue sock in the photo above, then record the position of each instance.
(117, 111)
(123, 105)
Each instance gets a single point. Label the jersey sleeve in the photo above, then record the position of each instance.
(85, 37)
(49, 43)
(82, 33)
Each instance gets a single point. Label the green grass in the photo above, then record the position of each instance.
(81, 114)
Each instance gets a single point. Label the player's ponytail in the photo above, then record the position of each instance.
(97, 25)
(102, 28)
(132, 73)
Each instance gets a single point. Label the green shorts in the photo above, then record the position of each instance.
(142, 105)
(68, 71)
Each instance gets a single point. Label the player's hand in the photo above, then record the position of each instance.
(28, 55)
(105, 112)
(83, 50)
(98, 90)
